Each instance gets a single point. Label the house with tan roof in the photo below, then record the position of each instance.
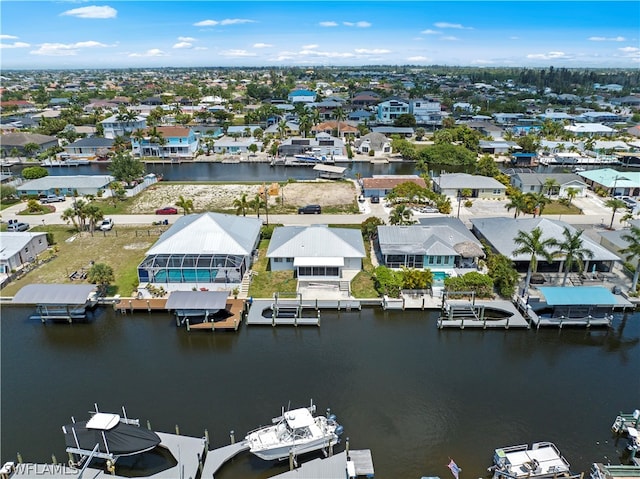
(381, 185)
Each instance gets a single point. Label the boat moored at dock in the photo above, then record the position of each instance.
(294, 432)
(540, 460)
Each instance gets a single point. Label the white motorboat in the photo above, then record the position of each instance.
(295, 432)
(541, 460)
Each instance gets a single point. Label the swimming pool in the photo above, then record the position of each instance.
(440, 276)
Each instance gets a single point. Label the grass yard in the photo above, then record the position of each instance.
(362, 286)
(122, 249)
(557, 208)
(265, 282)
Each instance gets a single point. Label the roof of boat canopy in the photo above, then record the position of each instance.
(59, 294)
(299, 418)
(201, 300)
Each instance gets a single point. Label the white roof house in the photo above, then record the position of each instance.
(316, 251)
(590, 129)
(207, 250)
(18, 248)
(480, 186)
(63, 185)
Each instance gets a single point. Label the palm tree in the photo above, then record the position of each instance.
(69, 215)
(305, 124)
(517, 203)
(339, 115)
(550, 184)
(536, 201)
(633, 251)
(315, 117)
(571, 193)
(615, 204)
(241, 204)
(186, 204)
(401, 215)
(282, 128)
(93, 214)
(573, 252)
(533, 244)
(256, 204)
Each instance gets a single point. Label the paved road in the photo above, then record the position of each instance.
(596, 214)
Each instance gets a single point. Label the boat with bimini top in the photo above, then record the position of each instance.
(541, 460)
(295, 432)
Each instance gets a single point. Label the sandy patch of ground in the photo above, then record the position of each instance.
(221, 197)
(137, 246)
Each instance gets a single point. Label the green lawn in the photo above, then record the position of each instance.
(362, 286)
(266, 282)
(557, 208)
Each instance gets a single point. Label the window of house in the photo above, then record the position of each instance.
(289, 260)
(438, 259)
(277, 260)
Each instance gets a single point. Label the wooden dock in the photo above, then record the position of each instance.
(235, 307)
(131, 305)
(217, 457)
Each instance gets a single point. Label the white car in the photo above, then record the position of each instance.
(106, 225)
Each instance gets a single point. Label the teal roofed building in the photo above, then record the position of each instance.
(614, 182)
(306, 96)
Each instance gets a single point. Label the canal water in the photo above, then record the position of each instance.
(411, 393)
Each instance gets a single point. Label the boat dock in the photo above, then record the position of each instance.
(217, 457)
(58, 302)
(624, 421)
(344, 464)
(481, 314)
(235, 307)
(131, 305)
(266, 312)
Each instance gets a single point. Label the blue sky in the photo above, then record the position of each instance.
(113, 34)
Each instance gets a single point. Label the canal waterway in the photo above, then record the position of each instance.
(413, 394)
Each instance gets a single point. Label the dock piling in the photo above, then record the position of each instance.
(232, 436)
(53, 459)
(148, 425)
(206, 437)
(177, 430)
(19, 456)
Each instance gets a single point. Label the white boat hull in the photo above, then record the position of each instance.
(282, 452)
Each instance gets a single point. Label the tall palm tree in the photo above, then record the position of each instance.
(241, 205)
(339, 115)
(532, 244)
(536, 201)
(94, 214)
(186, 204)
(256, 203)
(401, 215)
(633, 251)
(517, 202)
(571, 248)
(571, 193)
(305, 124)
(550, 185)
(282, 128)
(615, 204)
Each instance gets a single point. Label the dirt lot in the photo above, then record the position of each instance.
(221, 197)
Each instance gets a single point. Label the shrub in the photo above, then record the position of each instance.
(387, 281)
(479, 283)
(372, 153)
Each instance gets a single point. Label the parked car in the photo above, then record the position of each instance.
(630, 202)
(106, 225)
(310, 210)
(375, 199)
(51, 199)
(167, 210)
(15, 225)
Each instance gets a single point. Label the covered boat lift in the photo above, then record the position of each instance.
(207, 309)
(330, 172)
(66, 302)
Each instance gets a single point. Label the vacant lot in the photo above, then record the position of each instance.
(220, 197)
(123, 250)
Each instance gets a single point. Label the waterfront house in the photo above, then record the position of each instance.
(426, 112)
(499, 233)
(115, 126)
(235, 146)
(174, 142)
(89, 147)
(80, 185)
(524, 160)
(376, 142)
(535, 183)
(497, 146)
(208, 250)
(381, 185)
(11, 142)
(20, 248)
(322, 145)
(440, 244)
(329, 127)
(590, 129)
(317, 253)
(405, 131)
(626, 183)
(485, 187)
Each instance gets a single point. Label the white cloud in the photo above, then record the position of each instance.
(8, 37)
(482, 62)
(309, 47)
(418, 58)
(607, 39)
(360, 24)
(154, 52)
(237, 53)
(456, 26)
(186, 39)
(206, 23)
(629, 49)
(226, 21)
(328, 24)
(93, 11)
(514, 38)
(183, 45)
(65, 49)
(430, 32)
(262, 45)
(449, 38)
(14, 45)
(549, 56)
(372, 51)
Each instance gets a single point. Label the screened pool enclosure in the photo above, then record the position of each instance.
(192, 268)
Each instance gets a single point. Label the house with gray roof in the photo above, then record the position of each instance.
(89, 147)
(376, 142)
(66, 185)
(452, 184)
(499, 233)
(208, 250)
(317, 253)
(535, 183)
(439, 244)
(20, 248)
(19, 140)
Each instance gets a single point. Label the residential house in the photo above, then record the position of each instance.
(535, 183)
(317, 253)
(306, 96)
(365, 99)
(235, 145)
(405, 131)
(93, 146)
(362, 115)
(389, 110)
(15, 142)
(381, 185)
(114, 127)
(173, 142)
(499, 233)
(376, 142)
(590, 129)
(81, 185)
(322, 145)
(20, 248)
(453, 184)
(497, 147)
(524, 160)
(426, 112)
(439, 244)
(331, 127)
(613, 241)
(203, 251)
(626, 183)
